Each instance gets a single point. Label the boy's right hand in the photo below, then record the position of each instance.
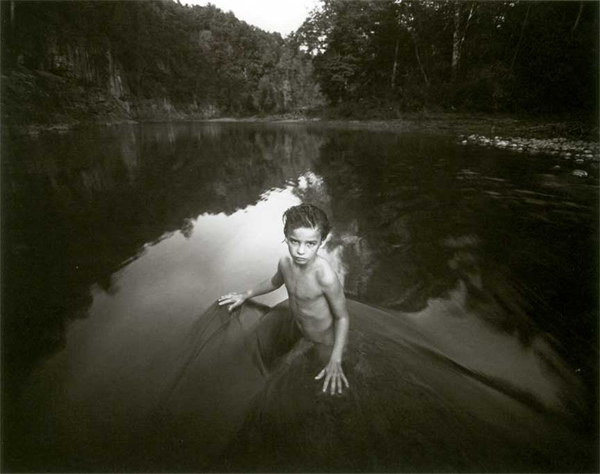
(232, 299)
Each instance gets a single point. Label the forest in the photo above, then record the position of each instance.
(65, 62)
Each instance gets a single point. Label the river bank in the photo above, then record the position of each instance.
(441, 122)
(569, 138)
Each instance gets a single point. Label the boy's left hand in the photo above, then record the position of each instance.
(334, 377)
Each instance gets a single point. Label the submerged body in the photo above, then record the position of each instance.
(415, 404)
(430, 392)
(439, 390)
(316, 299)
(424, 397)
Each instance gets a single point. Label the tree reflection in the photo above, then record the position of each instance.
(379, 206)
(410, 223)
(413, 231)
(78, 206)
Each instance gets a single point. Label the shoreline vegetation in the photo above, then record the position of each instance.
(528, 134)
(453, 67)
(575, 142)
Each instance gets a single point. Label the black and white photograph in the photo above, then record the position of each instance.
(276, 236)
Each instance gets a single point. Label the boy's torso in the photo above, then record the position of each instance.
(307, 301)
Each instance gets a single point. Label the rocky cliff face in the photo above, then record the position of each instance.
(75, 83)
(71, 83)
(56, 73)
(68, 62)
(90, 65)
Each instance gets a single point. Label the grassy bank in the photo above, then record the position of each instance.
(441, 122)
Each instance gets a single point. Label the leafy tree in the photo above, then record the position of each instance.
(491, 56)
(165, 57)
(365, 57)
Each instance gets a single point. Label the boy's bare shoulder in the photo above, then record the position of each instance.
(325, 273)
(284, 262)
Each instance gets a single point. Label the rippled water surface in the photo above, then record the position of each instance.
(125, 234)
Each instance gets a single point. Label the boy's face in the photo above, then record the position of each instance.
(303, 244)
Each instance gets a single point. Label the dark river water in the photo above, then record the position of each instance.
(115, 239)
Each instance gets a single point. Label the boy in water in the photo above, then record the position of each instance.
(315, 293)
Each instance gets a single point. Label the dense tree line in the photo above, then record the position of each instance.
(485, 56)
(366, 58)
(195, 59)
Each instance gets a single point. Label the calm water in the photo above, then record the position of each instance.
(127, 233)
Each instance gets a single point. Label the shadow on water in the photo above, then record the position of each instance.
(79, 206)
(421, 214)
(415, 218)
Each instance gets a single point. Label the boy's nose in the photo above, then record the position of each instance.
(301, 250)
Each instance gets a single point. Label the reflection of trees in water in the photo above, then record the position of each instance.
(77, 206)
(413, 232)
(378, 197)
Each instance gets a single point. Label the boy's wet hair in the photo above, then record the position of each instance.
(306, 215)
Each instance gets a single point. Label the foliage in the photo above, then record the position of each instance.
(483, 56)
(157, 53)
(373, 58)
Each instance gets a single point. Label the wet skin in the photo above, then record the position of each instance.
(301, 272)
(316, 299)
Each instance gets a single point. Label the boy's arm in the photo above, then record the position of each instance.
(237, 299)
(333, 373)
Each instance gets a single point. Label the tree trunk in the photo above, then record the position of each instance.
(395, 67)
(577, 19)
(420, 63)
(464, 33)
(456, 40)
(512, 64)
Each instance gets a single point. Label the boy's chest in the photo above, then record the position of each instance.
(302, 287)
